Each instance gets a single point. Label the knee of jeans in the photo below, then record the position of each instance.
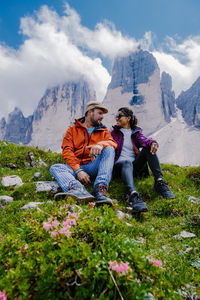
(108, 149)
(53, 168)
(127, 163)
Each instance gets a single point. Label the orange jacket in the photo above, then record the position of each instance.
(77, 143)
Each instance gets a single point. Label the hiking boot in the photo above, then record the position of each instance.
(76, 191)
(99, 192)
(162, 188)
(137, 202)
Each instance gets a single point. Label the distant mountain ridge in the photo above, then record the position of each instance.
(137, 83)
(56, 110)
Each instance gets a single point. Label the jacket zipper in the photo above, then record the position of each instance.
(83, 150)
(85, 146)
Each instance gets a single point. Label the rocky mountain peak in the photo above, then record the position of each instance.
(57, 110)
(136, 83)
(2, 128)
(132, 70)
(18, 128)
(189, 103)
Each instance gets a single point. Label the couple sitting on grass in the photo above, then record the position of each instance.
(91, 151)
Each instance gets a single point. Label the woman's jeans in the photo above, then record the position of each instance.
(101, 167)
(127, 168)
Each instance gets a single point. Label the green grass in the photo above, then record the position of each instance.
(77, 267)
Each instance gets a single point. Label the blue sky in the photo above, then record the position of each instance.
(131, 17)
(81, 38)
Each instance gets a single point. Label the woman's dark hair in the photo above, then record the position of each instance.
(129, 113)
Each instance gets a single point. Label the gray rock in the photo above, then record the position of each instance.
(32, 205)
(5, 199)
(72, 208)
(12, 180)
(37, 175)
(184, 234)
(11, 166)
(194, 200)
(47, 186)
(42, 163)
(121, 215)
(31, 159)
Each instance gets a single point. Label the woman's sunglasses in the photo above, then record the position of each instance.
(119, 116)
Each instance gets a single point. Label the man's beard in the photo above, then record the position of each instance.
(96, 123)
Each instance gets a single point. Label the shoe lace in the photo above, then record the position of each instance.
(102, 189)
(163, 185)
(136, 198)
(74, 186)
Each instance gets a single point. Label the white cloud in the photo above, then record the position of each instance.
(56, 49)
(181, 61)
(59, 48)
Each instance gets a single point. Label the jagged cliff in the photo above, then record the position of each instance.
(17, 129)
(189, 103)
(168, 97)
(136, 83)
(55, 112)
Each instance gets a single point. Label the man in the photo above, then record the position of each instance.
(89, 150)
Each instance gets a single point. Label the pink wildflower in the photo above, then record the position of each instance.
(54, 233)
(92, 204)
(25, 246)
(74, 215)
(47, 226)
(122, 267)
(3, 295)
(65, 231)
(64, 207)
(69, 222)
(156, 263)
(112, 263)
(55, 223)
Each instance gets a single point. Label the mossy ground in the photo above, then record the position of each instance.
(99, 237)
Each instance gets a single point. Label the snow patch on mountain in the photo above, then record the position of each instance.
(178, 143)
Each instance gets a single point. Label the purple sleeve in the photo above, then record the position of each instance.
(143, 141)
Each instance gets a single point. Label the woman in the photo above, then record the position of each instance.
(128, 158)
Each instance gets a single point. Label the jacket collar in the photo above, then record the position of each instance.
(134, 130)
(79, 122)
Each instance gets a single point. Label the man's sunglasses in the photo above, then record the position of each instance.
(119, 116)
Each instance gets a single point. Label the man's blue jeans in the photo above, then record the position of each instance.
(126, 169)
(101, 168)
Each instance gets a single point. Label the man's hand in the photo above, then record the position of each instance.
(83, 177)
(95, 150)
(154, 147)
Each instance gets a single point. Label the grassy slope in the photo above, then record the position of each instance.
(166, 218)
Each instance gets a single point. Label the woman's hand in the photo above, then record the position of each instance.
(154, 147)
